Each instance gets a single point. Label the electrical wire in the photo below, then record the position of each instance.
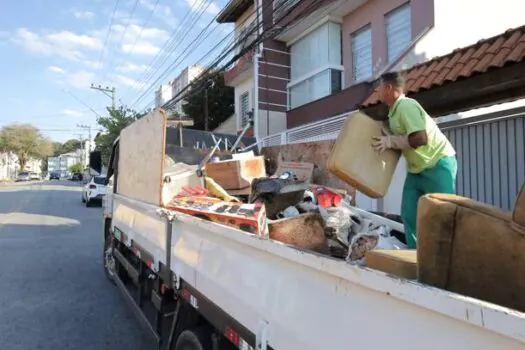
(202, 8)
(108, 32)
(260, 39)
(168, 47)
(180, 58)
(130, 17)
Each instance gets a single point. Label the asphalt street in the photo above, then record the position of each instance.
(53, 291)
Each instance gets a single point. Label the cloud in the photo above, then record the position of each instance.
(162, 12)
(83, 14)
(196, 5)
(147, 44)
(56, 69)
(126, 81)
(72, 113)
(131, 68)
(63, 43)
(80, 79)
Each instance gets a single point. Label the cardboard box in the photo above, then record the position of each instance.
(250, 218)
(236, 174)
(401, 263)
(303, 171)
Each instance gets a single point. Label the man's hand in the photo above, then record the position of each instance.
(382, 143)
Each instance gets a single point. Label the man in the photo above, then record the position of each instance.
(431, 159)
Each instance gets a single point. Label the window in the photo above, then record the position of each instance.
(398, 31)
(361, 42)
(244, 108)
(316, 65)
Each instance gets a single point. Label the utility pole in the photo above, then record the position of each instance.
(109, 92)
(87, 145)
(209, 84)
(81, 139)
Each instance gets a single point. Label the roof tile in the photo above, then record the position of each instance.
(508, 47)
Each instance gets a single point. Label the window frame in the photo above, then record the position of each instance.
(407, 6)
(363, 29)
(242, 123)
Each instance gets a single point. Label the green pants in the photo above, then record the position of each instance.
(439, 179)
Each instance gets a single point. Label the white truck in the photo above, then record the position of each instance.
(196, 284)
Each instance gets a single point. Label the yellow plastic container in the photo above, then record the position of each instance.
(354, 160)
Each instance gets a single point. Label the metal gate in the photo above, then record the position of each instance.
(491, 156)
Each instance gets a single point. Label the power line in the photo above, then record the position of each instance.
(168, 45)
(260, 38)
(121, 37)
(181, 58)
(108, 32)
(172, 47)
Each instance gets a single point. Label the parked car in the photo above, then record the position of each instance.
(94, 190)
(54, 176)
(34, 176)
(23, 176)
(77, 177)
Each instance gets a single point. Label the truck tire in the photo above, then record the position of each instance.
(195, 339)
(108, 260)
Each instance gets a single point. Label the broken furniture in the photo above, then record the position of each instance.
(473, 249)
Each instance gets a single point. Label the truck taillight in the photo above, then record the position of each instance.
(92, 187)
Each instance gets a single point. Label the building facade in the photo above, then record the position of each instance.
(330, 52)
(326, 53)
(63, 162)
(163, 94)
(178, 84)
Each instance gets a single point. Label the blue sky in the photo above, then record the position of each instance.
(51, 51)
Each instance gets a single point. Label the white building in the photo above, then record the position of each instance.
(182, 81)
(62, 163)
(8, 165)
(163, 94)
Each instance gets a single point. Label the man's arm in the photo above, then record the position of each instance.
(413, 120)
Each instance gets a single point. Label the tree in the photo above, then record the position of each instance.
(117, 120)
(76, 168)
(26, 142)
(68, 146)
(220, 101)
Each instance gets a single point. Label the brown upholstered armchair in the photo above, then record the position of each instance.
(472, 248)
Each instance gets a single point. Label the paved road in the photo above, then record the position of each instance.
(53, 291)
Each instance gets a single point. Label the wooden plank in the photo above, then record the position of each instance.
(141, 158)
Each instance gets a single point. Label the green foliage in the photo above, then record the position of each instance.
(26, 142)
(117, 120)
(66, 147)
(220, 101)
(76, 168)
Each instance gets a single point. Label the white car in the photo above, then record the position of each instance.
(94, 190)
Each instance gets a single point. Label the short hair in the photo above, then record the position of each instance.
(395, 79)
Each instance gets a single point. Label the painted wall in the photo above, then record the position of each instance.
(460, 23)
(373, 12)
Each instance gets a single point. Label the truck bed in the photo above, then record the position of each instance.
(303, 300)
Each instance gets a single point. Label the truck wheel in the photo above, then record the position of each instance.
(108, 259)
(195, 339)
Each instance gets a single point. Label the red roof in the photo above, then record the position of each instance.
(486, 54)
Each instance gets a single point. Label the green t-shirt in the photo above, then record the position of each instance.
(406, 116)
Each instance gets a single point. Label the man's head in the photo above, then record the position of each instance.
(391, 86)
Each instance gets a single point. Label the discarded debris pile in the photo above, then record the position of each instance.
(235, 190)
